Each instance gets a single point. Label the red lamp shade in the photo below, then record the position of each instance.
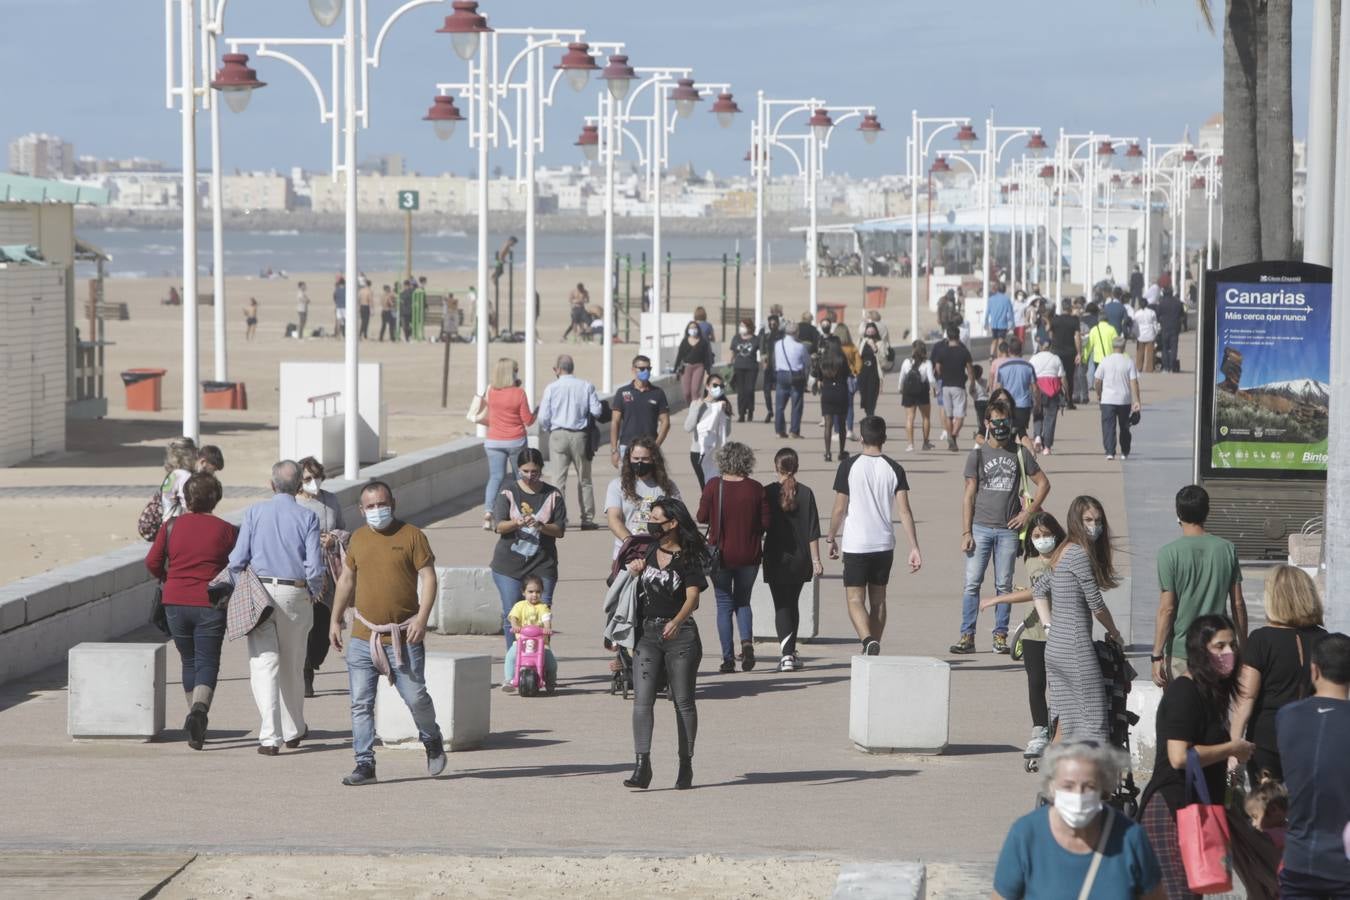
(1137, 181)
(443, 115)
(1134, 151)
(1036, 145)
(966, 136)
(618, 75)
(464, 25)
(1189, 156)
(685, 96)
(1047, 173)
(589, 141)
(1198, 183)
(725, 108)
(939, 167)
(236, 80)
(870, 128)
(578, 64)
(1105, 154)
(821, 123)
(1117, 181)
(1014, 187)
(1219, 162)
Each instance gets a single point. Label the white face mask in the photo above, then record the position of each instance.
(1043, 545)
(1078, 810)
(692, 332)
(715, 392)
(745, 332)
(379, 517)
(311, 486)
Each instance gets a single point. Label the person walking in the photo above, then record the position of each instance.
(867, 486)
(917, 385)
(301, 310)
(1117, 387)
(998, 314)
(832, 377)
(508, 417)
(1313, 735)
(996, 506)
(1275, 666)
(708, 423)
(279, 540)
(953, 368)
(693, 360)
(769, 336)
(871, 358)
(791, 551)
(1171, 319)
(391, 605)
(668, 650)
(843, 339)
(405, 308)
(744, 353)
(340, 306)
(1076, 845)
(333, 538)
(1018, 377)
(566, 410)
(1198, 574)
(1146, 336)
(736, 511)
(186, 555)
(1136, 283)
(641, 481)
(1066, 342)
(639, 410)
(1052, 386)
(792, 360)
(530, 517)
(365, 297)
(180, 462)
(1098, 344)
(1081, 567)
(388, 317)
(1191, 720)
(579, 321)
(250, 318)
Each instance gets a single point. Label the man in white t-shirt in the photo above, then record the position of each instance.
(867, 487)
(1117, 386)
(1052, 386)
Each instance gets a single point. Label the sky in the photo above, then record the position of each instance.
(92, 72)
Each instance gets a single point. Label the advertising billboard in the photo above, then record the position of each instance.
(1266, 371)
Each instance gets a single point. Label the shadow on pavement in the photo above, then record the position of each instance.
(567, 770)
(979, 749)
(749, 687)
(515, 740)
(819, 776)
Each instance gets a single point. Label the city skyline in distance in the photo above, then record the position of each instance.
(955, 59)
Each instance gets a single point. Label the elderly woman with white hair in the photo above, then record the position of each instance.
(1077, 846)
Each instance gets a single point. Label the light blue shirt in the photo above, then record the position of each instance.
(999, 312)
(566, 403)
(279, 538)
(792, 355)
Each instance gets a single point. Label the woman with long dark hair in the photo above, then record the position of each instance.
(1081, 568)
(668, 648)
(916, 387)
(871, 356)
(709, 425)
(530, 517)
(693, 360)
(1192, 716)
(642, 480)
(791, 551)
(832, 375)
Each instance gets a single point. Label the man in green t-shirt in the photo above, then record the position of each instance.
(1198, 575)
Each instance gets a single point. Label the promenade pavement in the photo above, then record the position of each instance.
(775, 773)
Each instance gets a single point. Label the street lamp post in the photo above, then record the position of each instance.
(919, 145)
(994, 146)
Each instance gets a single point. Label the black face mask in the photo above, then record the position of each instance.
(1001, 429)
(642, 468)
(656, 529)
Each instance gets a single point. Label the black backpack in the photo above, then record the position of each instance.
(913, 383)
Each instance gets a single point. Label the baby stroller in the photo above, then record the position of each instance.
(1118, 674)
(621, 667)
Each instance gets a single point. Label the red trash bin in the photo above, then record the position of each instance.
(144, 389)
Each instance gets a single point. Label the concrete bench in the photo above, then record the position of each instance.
(115, 691)
(880, 881)
(467, 601)
(761, 605)
(899, 704)
(460, 685)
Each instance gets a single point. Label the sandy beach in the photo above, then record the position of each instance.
(85, 501)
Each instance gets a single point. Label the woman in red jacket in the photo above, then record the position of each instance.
(189, 551)
(508, 415)
(736, 511)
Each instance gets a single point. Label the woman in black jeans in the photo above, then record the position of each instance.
(668, 646)
(791, 551)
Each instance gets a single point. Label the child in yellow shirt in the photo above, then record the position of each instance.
(530, 610)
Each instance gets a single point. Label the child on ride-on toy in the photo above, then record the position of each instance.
(530, 610)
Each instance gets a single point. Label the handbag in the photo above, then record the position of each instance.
(151, 517)
(714, 551)
(1097, 854)
(477, 411)
(158, 617)
(1203, 836)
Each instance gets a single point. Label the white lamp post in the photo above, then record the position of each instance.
(995, 142)
(921, 140)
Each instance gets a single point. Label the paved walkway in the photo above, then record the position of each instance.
(775, 771)
(101, 491)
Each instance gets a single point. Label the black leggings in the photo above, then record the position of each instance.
(743, 380)
(1033, 658)
(317, 644)
(678, 660)
(769, 386)
(696, 459)
(836, 423)
(787, 614)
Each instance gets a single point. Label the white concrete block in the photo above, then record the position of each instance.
(899, 704)
(1143, 701)
(460, 685)
(761, 605)
(467, 601)
(116, 691)
(12, 612)
(881, 881)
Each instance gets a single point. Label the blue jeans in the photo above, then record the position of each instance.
(499, 459)
(733, 587)
(1001, 544)
(509, 589)
(198, 632)
(785, 391)
(550, 665)
(409, 681)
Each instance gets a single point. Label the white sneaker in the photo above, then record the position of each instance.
(786, 664)
(943, 436)
(909, 448)
(1124, 456)
(1110, 456)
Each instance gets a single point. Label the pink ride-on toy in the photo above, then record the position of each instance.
(531, 675)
